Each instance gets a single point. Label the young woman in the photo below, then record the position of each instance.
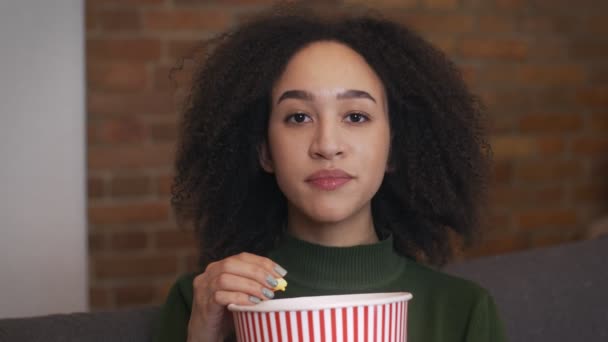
(342, 153)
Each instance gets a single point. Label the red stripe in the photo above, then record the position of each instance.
(334, 327)
(322, 321)
(267, 315)
(365, 325)
(239, 328)
(278, 319)
(300, 327)
(383, 321)
(376, 317)
(261, 329)
(356, 327)
(310, 327)
(390, 322)
(355, 315)
(249, 328)
(344, 326)
(289, 338)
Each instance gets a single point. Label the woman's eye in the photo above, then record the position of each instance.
(357, 117)
(298, 118)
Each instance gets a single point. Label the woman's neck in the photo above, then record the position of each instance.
(357, 229)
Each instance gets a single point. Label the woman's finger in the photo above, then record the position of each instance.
(224, 298)
(246, 269)
(233, 283)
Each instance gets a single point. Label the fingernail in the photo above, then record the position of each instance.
(271, 281)
(269, 294)
(254, 300)
(280, 270)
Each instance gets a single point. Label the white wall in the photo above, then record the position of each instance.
(42, 158)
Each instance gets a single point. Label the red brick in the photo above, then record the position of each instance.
(594, 192)
(163, 131)
(503, 172)
(119, 76)
(429, 23)
(512, 5)
(551, 123)
(128, 213)
(539, 218)
(187, 19)
(553, 75)
(513, 196)
(123, 49)
(178, 49)
(500, 246)
(401, 4)
(91, 20)
(134, 266)
(595, 24)
(441, 4)
(445, 43)
(591, 146)
(120, 131)
(598, 122)
(95, 187)
(544, 170)
(96, 242)
(513, 147)
(549, 23)
(119, 20)
(599, 168)
(175, 239)
(549, 48)
(125, 186)
(594, 49)
(135, 295)
(130, 157)
(115, 103)
(550, 145)
(494, 48)
(169, 79)
(129, 241)
(164, 184)
(234, 2)
(491, 23)
(134, 3)
(596, 97)
(99, 298)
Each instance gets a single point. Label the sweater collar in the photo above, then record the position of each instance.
(349, 268)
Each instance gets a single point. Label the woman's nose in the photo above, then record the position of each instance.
(326, 143)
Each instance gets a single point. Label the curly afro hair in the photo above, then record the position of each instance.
(439, 151)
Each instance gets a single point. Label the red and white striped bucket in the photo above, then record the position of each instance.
(369, 317)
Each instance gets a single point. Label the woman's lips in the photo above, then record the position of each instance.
(329, 179)
(328, 183)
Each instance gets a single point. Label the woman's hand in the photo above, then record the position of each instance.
(244, 279)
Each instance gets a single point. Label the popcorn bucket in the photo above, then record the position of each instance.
(369, 317)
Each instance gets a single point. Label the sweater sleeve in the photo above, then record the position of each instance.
(172, 325)
(485, 323)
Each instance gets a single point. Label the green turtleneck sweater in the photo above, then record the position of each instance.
(443, 308)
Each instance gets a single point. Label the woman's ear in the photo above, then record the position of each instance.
(264, 158)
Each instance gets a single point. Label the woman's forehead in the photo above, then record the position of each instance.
(326, 69)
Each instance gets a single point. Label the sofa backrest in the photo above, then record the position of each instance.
(551, 294)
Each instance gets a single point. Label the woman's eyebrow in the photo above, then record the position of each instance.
(307, 96)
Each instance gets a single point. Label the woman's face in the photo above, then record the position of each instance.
(329, 114)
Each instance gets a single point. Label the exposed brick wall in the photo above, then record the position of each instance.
(540, 66)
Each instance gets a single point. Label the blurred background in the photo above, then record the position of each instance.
(540, 66)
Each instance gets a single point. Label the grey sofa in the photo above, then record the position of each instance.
(552, 294)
